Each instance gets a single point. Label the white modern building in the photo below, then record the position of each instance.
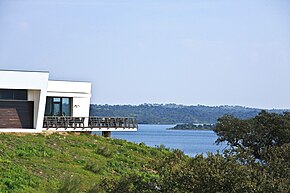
(30, 102)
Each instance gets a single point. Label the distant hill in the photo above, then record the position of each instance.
(173, 113)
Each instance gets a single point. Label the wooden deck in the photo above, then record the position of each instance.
(68, 123)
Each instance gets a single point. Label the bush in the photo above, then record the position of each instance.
(93, 167)
(131, 183)
(104, 151)
(70, 184)
(216, 173)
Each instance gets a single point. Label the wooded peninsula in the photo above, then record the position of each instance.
(189, 126)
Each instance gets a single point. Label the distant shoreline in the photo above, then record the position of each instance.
(188, 127)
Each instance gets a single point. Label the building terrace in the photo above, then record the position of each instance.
(30, 102)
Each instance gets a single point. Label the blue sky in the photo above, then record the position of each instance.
(210, 52)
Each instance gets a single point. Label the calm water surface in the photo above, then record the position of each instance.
(190, 142)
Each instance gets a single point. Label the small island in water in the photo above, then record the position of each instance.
(192, 126)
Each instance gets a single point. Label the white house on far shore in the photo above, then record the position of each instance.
(30, 102)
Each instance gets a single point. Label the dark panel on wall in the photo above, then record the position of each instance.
(16, 114)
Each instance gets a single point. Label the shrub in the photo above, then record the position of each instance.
(104, 151)
(216, 173)
(131, 183)
(93, 167)
(70, 184)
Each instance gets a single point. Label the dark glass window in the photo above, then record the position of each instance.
(58, 106)
(48, 107)
(6, 94)
(13, 94)
(20, 94)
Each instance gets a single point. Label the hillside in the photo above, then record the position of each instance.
(173, 114)
(45, 163)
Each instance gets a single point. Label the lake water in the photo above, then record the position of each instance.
(191, 142)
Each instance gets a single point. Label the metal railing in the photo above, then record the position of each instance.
(89, 122)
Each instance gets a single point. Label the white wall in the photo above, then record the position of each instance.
(35, 83)
(81, 107)
(60, 86)
(79, 91)
(34, 95)
(23, 80)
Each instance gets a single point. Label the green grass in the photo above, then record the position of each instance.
(49, 163)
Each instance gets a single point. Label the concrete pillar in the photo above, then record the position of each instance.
(106, 133)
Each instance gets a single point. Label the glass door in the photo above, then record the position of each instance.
(66, 106)
(56, 106)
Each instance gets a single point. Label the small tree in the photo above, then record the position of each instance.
(256, 135)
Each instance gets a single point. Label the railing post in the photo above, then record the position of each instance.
(106, 134)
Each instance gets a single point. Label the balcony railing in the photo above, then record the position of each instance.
(56, 122)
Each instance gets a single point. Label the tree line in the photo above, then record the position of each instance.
(174, 114)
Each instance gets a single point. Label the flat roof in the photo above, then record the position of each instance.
(70, 81)
(42, 71)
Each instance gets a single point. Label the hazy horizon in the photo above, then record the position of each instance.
(222, 105)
